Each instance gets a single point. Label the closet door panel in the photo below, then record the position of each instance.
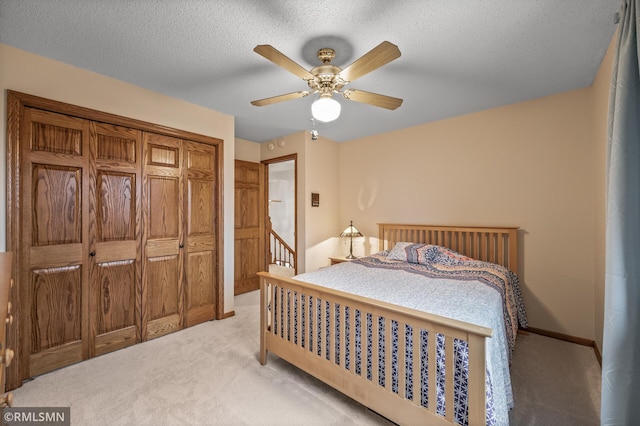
(56, 307)
(164, 215)
(200, 277)
(56, 312)
(115, 232)
(201, 211)
(162, 281)
(116, 307)
(116, 206)
(163, 295)
(56, 205)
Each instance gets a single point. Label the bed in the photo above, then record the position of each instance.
(370, 326)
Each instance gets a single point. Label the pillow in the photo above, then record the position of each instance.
(428, 253)
(425, 254)
(399, 252)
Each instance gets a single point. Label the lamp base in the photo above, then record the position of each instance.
(350, 256)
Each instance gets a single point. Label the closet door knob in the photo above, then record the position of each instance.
(181, 246)
(93, 253)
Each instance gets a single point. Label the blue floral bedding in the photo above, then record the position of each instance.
(436, 281)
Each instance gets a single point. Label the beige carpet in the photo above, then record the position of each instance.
(209, 375)
(554, 383)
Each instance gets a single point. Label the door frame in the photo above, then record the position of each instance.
(282, 159)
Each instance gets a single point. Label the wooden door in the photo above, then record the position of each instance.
(55, 251)
(201, 216)
(250, 251)
(115, 238)
(162, 280)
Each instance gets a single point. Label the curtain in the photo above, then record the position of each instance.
(621, 341)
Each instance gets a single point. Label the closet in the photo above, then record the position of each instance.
(117, 229)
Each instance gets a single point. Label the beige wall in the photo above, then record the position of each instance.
(529, 164)
(24, 72)
(247, 151)
(322, 223)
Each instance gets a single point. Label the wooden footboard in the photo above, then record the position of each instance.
(312, 327)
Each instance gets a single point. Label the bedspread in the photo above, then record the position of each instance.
(418, 287)
(438, 262)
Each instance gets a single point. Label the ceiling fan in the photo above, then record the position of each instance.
(327, 79)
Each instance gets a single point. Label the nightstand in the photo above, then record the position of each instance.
(339, 259)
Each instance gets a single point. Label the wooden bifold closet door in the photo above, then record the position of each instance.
(179, 216)
(118, 235)
(81, 238)
(201, 248)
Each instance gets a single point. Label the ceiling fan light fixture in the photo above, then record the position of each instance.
(325, 109)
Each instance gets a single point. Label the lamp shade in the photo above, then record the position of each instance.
(325, 109)
(351, 231)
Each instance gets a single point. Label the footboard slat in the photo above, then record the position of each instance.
(299, 319)
(313, 324)
(448, 343)
(402, 360)
(476, 395)
(417, 365)
(343, 333)
(431, 372)
(332, 334)
(375, 347)
(324, 326)
(322, 314)
(274, 301)
(307, 319)
(352, 341)
(289, 319)
(388, 370)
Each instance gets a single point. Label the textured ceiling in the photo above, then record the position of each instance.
(458, 56)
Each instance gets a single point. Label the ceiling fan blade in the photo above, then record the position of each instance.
(380, 55)
(374, 99)
(280, 98)
(278, 58)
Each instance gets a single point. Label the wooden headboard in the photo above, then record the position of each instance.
(496, 245)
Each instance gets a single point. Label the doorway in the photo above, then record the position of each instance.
(281, 220)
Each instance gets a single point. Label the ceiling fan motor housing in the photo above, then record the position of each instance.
(326, 79)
